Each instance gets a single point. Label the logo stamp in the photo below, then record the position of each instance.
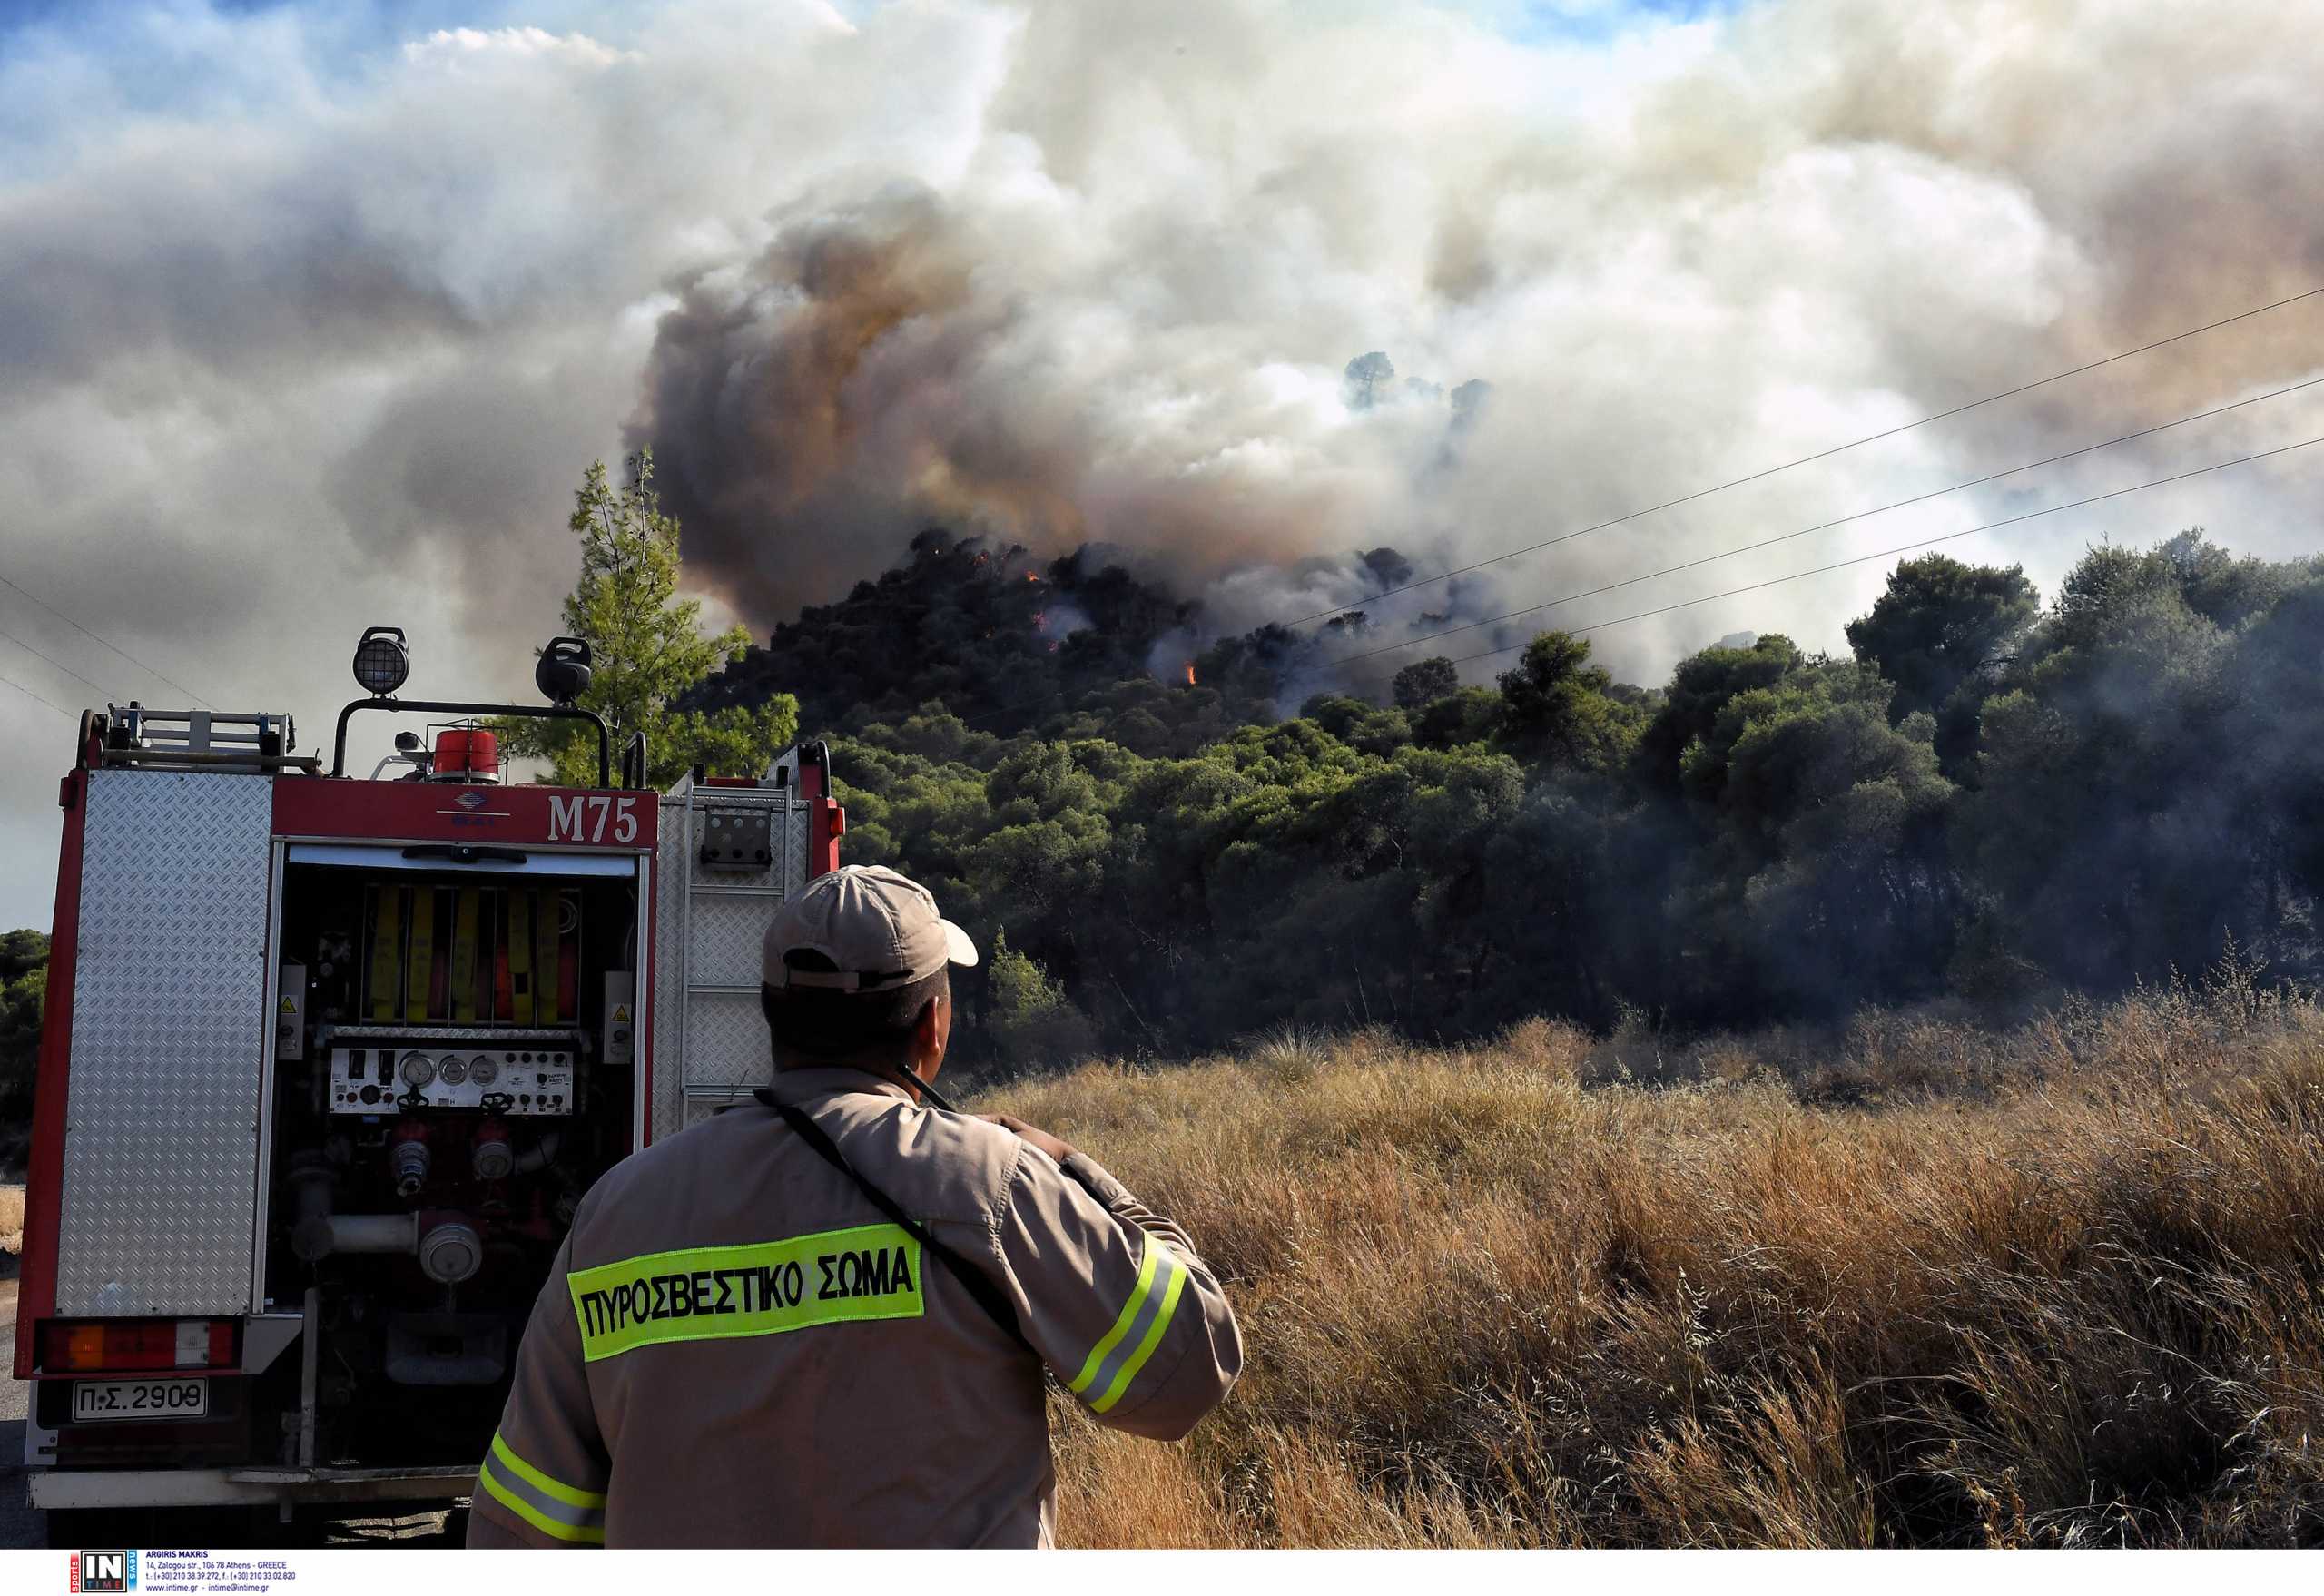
(99, 1573)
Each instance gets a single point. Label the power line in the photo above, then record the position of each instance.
(1827, 526)
(1796, 576)
(59, 664)
(36, 698)
(124, 653)
(1806, 460)
(1903, 547)
(1818, 455)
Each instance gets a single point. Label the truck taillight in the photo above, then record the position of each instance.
(90, 1346)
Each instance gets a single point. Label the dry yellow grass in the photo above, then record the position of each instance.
(1913, 1285)
(12, 1218)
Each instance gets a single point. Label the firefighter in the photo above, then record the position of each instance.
(822, 1319)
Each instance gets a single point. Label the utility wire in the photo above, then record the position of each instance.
(1777, 582)
(36, 698)
(59, 664)
(1827, 526)
(1818, 455)
(124, 653)
(1903, 547)
(1802, 461)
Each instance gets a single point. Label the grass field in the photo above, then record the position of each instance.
(12, 1228)
(1917, 1284)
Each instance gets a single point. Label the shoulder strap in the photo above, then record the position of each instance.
(978, 1284)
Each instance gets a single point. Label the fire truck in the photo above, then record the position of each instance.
(328, 1060)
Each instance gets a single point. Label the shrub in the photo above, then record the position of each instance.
(2056, 1286)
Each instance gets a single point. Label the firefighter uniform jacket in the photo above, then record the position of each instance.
(738, 1348)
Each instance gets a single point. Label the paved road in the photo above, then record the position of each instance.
(19, 1525)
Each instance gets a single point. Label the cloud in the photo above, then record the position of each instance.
(452, 48)
(1700, 250)
(312, 316)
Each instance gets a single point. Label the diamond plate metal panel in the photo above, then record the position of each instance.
(732, 798)
(669, 968)
(794, 853)
(728, 1046)
(726, 934)
(709, 925)
(168, 1033)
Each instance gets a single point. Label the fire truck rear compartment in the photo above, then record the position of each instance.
(443, 1098)
(246, 1283)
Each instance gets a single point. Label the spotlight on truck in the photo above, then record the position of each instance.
(563, 673)
(381, 662)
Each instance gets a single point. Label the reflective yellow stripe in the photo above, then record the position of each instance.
(758, 1288)
(1104, 1349)
(1153, 1334)
(534, 1516)
(542, 1482)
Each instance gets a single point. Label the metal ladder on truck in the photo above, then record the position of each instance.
(729, 857)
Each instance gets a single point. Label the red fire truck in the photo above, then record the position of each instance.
(328, 1061)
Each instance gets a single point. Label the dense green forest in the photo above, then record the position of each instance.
(24, 978)
(1989, 798)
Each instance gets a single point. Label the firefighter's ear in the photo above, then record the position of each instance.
(932, 1033)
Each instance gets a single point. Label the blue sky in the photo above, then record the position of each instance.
(68, 65)
(385, 23)
(364, 22)
(1532, 21)
(414, 12)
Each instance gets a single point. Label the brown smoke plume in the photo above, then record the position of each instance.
(1062, 271)
(863, 377)
(1125, 322)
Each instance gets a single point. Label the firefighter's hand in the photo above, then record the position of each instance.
(1056, 1146)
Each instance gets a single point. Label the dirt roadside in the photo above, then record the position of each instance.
(11, 1229)
(20, 1526)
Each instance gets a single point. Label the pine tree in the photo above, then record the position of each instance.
(648, 647)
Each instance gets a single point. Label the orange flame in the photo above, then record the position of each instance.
(1190, 673)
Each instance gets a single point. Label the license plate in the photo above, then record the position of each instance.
(140, 1399)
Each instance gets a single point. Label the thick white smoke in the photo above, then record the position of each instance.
(303, 332)
(1126, 319)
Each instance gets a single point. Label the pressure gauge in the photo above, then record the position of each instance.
(453, 1071)
(418, 1069)
(484, 1071)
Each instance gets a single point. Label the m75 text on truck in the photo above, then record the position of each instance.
(328, 1061)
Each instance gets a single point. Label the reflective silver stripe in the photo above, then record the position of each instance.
(1157, 1287)
(578, 1522)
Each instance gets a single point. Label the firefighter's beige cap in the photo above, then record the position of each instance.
(880, 927)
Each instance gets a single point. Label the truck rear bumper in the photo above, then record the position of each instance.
(56, 1490)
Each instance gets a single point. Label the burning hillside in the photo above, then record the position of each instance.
(1004, 640)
